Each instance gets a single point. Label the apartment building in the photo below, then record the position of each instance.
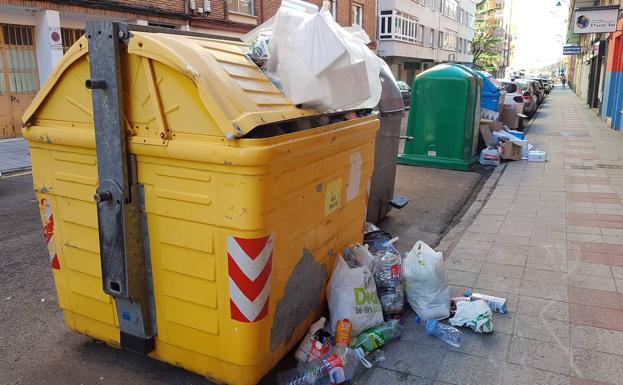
(35, 34)
(414, 35)
(498, 13)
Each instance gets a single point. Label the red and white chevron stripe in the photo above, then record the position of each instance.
(48, 232)
(249, 265)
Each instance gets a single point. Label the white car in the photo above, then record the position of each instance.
(514, 102)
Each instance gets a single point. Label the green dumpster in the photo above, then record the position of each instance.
(444, 117)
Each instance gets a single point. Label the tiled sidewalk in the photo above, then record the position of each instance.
(550, 240)
(14, 155)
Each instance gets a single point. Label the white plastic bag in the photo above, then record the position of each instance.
(351, 294)
(426, 282)
(476, 315)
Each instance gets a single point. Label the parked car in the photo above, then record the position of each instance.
(541, 89)
(514, 97)
(549, 85)
(529, 93)
(405, 91)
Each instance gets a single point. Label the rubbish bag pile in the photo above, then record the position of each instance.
(315, 62)
(366, 296)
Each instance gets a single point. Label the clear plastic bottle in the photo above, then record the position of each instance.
(388, 279)
(377, 336)
(448, 334)
(336, 368)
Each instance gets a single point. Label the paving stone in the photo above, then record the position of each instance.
(462, 369)
(523, 375)
(599, 298)
(462, 278)
(486, 282)
(544, 290)
(596, 316)
(599, 270)
(414, 359)
(380, 376)
(548, 263)
(464, 264)
(542, 329)
(502, 270)
(547, 276)
(598, 339)
(539, 354)
(545, 308)
(463, 253)
(591, 282)
(598, 366)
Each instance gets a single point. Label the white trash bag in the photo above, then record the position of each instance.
(426, 282)
(351, 294)
(476, 315)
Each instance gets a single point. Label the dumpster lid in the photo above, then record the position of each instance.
(231, 87)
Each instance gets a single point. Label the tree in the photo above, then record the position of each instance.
(488, 45)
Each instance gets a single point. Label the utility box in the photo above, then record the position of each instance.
(444, 118)
(191, 211)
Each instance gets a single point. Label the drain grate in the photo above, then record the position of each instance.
(610, 166)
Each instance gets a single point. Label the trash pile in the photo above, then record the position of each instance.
(315, 62)
(366, 296)
(503, 143)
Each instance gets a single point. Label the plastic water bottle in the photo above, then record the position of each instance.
(336, 368)
(377, 336)
(388, 279)
(448, 334)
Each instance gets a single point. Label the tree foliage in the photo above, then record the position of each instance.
(488, 45)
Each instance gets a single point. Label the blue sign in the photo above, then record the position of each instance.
(571, 50)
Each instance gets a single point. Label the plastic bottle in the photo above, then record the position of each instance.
(496, 304)
(336, 368)
(388, 279)
(302, 352)
(448, 334)
(343, 329)
(377, 336)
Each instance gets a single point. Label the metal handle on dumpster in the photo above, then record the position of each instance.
(405, 137)
(123, 236)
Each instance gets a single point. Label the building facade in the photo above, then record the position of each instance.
(596, 74)
(498, 13)
(414, 35)
(35, 34)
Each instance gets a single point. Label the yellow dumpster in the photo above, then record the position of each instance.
(213, 250)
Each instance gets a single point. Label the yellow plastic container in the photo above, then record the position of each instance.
(242, 232)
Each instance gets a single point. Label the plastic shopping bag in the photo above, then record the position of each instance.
(351, 294)
(476, 315)
(426, 282)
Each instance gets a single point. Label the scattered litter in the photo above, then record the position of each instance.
(302, 352)
(496, 304)
(537, 156)
(42, 299)
(474, 314)
(490, 156)
(426, 282)
(448, 334)
(8, 298)
(388, 279)
(375, 337)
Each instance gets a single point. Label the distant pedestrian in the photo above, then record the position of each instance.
(564, 81)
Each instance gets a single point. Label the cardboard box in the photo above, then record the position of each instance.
(537, 156)
(511, 151)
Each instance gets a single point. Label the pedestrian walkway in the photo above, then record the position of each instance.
(14, 156)
(550, 240)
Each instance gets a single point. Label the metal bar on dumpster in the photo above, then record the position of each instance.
(122, 227)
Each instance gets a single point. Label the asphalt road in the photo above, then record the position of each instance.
(37, 348)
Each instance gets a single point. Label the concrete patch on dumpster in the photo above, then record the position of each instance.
(302, 294)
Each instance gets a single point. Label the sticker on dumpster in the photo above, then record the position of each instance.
(333, 196)
(48, 232)
(354, 177)
(249, 264)
(432, 153)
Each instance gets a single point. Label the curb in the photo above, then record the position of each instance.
(449, 241)
(13, 171)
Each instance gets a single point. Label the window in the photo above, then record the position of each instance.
(460, 45)
(437, 5)
(396, 25)
(450, 8)
(241, 6)
(18, 61)
(449, 41)
(70, 36)
(358, 15)
(470, 21)
(432, 37)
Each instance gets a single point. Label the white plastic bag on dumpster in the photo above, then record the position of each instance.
(320, 64)
(426, 282)
(351, 293)
(476, 315)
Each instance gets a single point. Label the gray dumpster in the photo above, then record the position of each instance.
(390, 113)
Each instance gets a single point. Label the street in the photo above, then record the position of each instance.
(548, 239)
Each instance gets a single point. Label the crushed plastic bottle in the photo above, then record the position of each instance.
(373, 338)
(448, 334)
(388, 279)
(336, 368)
